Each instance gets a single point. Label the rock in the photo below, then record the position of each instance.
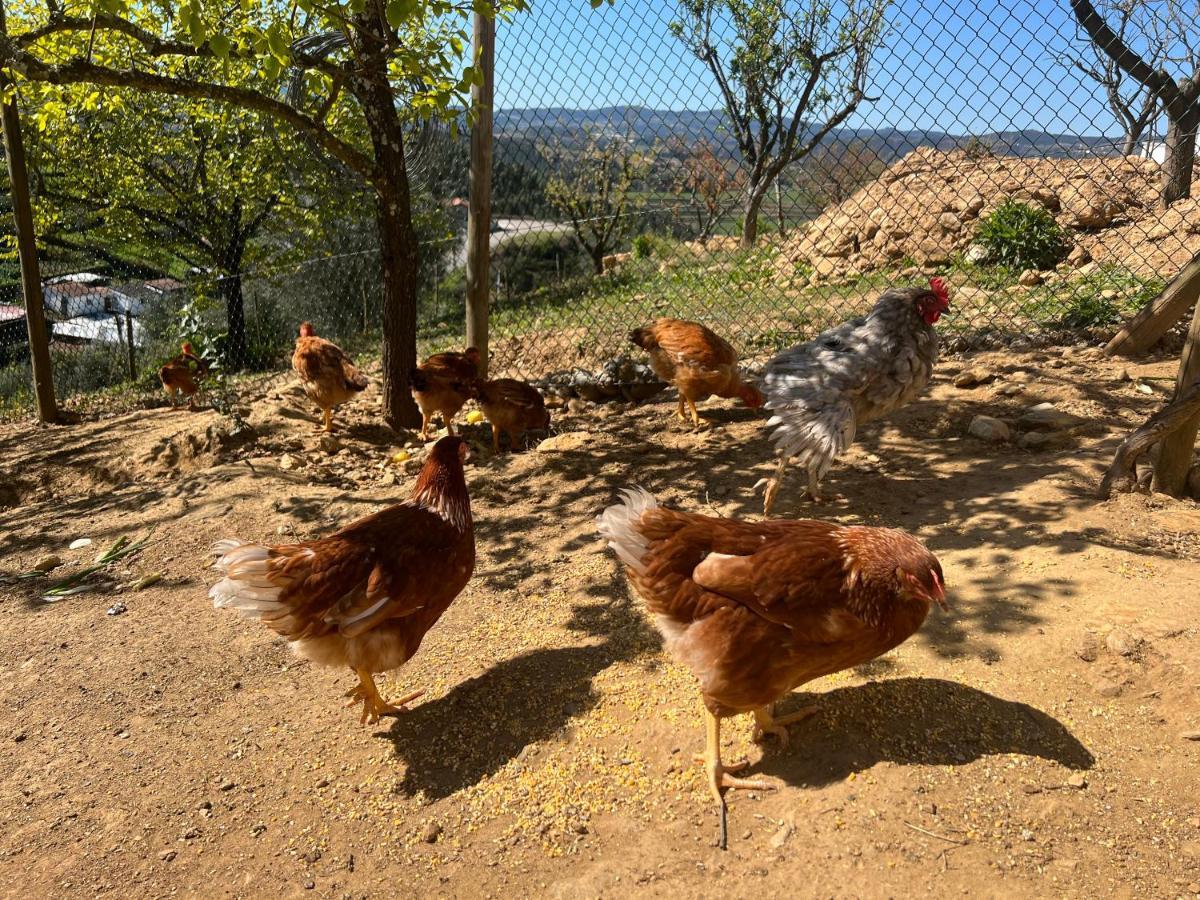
(1027, 835)
(79, 543)
(577, 406)
(46, 563)
(258, 829)
(431, 833)
(1048, 417)
(1110, 295)
(989, 429)
(1190, 735)
(971, 377)
(781, 836)
(976, 253)
(1106, 687)
(824, 267)
(949, 222)
(1030, 278)
(1088, 648)
(116, 609)
(167, 855)
(1121, 642)
(330, 444)
(288, 463)
(1009, 390)
(1078, 257)
(567, 441)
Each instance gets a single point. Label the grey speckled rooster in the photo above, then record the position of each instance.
(821, 391)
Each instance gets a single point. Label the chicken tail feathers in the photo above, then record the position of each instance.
(355, 380)
(644, 338)
(247, 586)
(418, 380)
(620, 523)
(814, 437)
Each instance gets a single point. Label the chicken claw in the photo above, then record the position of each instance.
(765, 723)
(720, 778)
(374, 705)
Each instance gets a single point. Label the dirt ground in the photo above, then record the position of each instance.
(1030, 741)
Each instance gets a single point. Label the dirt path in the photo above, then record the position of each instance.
(1028, 742)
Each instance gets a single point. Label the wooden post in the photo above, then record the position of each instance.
(129, 345)
(1158, 316)
(1175, 454)
(479, 209)
(31, 279)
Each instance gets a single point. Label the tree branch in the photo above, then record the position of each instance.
(1107, 40)
(78, 71)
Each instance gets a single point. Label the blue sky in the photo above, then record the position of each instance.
(957, 67)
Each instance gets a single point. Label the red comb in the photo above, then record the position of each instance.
(938, 286)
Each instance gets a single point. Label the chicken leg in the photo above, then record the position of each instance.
(679, 414)
(720, 778)
(765, 723)
(374, 705)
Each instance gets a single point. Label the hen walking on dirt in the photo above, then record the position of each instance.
(365, 596)
(699, 362)
(327, 373)
(864, 369)
(442, 384)
(757, 609)
(183, 375)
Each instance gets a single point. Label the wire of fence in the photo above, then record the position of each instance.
(660, 159)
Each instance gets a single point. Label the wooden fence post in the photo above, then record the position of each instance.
(1175, 454)
(479, 208)
(129, 345)
(31, 279)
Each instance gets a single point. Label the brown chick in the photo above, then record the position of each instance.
(696, 360)
(756, 609)
(183, 374)
(365, 596)
(442, 384)
(327, 373)
(512, 406)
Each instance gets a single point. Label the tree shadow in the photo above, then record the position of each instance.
(916, 721)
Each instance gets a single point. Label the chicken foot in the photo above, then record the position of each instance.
(326, 425)
(691, 404)
(374, 705)
(765, 723)
(776, 481)
(720, 776)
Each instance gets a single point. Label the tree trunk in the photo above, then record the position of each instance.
(1177, 449)
(779, 209)
(236, 351)
(1130, 145)
(754, 200)
(597, 255)
(1181, 154)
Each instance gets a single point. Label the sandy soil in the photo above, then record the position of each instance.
(1028, 742)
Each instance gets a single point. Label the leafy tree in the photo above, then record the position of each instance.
(1159, 47)
(204, 191)
(341, 74)
(708, 181)
(790, 72)
(593, 188)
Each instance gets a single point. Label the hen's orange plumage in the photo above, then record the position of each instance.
(757, 609)
(512, 406)
(183, 374)
(699, 362)
(365, 596)
(327, 373)
(442, 384)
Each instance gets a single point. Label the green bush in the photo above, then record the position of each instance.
(526, 261)
(1019, 236)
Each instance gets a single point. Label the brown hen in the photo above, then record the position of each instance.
(365, 596)
(696, 360)
(512, 406)
(757, 609)
(183, 375)
(442, 384)
(327, 373)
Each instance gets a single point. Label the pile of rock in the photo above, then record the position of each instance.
(622, 378)
(924, 208)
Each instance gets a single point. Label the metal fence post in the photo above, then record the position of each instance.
(129, 345)
(31, 279)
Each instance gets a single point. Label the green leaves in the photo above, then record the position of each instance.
(400, 11)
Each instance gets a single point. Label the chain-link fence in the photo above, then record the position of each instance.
(765, 166)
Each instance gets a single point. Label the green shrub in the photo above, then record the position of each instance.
(1019, 236)
(526, 261)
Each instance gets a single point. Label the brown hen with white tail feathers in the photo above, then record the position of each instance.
(756, 609)
(365, 596)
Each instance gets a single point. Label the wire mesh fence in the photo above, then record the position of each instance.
(767, 167)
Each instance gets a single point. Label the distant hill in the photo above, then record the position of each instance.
(523, 126)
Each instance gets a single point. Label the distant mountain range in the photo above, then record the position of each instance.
(690, 126)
